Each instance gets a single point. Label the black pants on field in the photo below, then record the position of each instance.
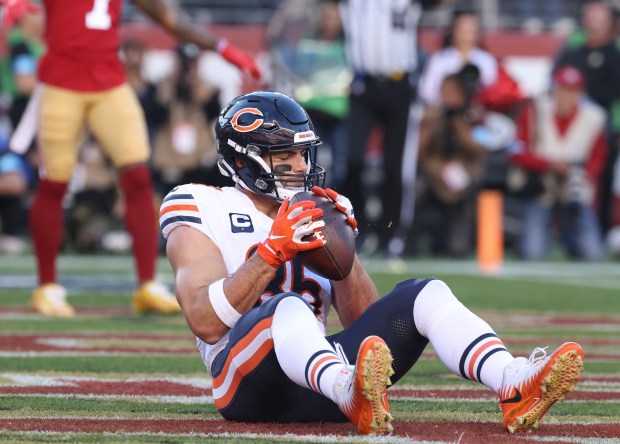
(385, 102)
(266, 394)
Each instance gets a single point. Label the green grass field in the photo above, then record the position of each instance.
(109, 375)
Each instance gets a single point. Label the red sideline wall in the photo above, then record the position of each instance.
(501, 43)
(254, 38)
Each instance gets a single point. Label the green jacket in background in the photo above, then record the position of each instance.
(14, 39)
(326, 77)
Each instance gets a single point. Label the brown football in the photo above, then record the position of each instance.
(333, 260)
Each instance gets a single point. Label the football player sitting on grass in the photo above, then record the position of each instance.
(259, 315)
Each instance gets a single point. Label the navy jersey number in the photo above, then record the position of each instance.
(290, 277)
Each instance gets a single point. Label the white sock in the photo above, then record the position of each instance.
(302, 350)
(466, 344)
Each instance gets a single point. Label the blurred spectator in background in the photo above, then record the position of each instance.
(25, 47)
(178, 111)
(155, 113)
(94, 205)
(561, 149)
(83, 83)
(312, 67)
(382, 49)
(184, 146)
(536, 16)
(455, 140)
(595, 50)
(13, 187)
(24, 22)
(325, 95)
(613, 235)
(461, 45)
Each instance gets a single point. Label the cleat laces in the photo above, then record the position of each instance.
(340, 352)
(344, 381)
(539, 354)
(57, 300)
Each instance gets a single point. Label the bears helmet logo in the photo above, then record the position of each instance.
(246, 128)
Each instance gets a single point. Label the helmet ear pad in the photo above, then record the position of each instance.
(253, 174)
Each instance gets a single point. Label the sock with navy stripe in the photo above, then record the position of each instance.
(303, 353)
(465, 343)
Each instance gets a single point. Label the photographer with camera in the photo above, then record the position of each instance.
(461, 45)
(455, 140)
(560, 155)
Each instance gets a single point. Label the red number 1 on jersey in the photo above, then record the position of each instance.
(99, 18)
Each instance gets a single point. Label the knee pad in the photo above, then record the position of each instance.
(287, 307)
(290, 298)
(433, 303)
(410, 289)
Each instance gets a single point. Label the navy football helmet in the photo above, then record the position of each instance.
(253, 126)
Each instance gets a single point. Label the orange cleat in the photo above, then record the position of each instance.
(531, 386)
(363, 396)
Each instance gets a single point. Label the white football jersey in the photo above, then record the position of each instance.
(230, 219)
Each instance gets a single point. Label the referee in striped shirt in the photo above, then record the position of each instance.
(382, 49)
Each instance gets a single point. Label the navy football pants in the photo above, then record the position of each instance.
(266, 394)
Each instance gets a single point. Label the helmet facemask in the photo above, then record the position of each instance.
(260, 176)
(287, 184)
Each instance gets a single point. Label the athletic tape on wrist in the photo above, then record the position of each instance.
(226, 312)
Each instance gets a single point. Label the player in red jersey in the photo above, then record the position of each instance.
(83, 84)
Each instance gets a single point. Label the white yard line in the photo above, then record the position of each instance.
(285, 437)
(181, 399)
(575, 439)
(28, 379)
(159, 399)
(34, 354)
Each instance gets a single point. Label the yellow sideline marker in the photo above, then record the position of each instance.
(490, 239)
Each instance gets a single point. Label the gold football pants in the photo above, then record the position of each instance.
(114, 117)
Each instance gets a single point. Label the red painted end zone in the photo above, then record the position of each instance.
(160, 387)
(463, 432)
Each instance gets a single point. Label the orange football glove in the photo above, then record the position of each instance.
(288, 228)
(342, 203)
(239, 58)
